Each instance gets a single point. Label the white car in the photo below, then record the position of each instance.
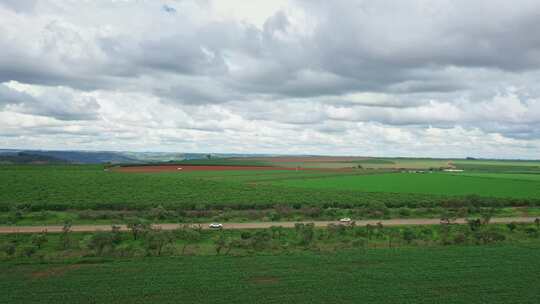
(345, 220)
(216, 226)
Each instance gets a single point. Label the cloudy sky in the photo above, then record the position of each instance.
(383, 78)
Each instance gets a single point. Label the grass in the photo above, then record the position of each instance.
(499, 166)
(479, 274)
(434, 183)
(511, 176)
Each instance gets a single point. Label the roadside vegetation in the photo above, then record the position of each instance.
(145, 240)
(22, 216)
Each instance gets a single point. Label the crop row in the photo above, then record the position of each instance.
(497, 274)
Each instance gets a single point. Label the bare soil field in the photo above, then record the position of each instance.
(180, 168)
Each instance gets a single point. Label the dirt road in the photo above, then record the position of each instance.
(254, 225)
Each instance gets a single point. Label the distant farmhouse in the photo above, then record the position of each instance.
(453, 170)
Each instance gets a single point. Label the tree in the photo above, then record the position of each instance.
(260, 239)
(427, 235)
(138, 227)
(116, 236)
(511, 226)
(369, 230)
(474, 224)
(392, 235)
(8, 248)
(276, 231)
(378, 209)
(65, 236)
(124, 250)
(220, 243)
(408, 235)
(460, 238)
(28, 250)
(487, 236)
(99, 241)
(157, 239)
(17, 213)
(159, 213)
(487, 214)
(531, 231)
(39, 239)
(448, 217)
(305, 232)
(537, 223)
(189, 236)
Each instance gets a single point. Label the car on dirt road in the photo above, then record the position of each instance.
(216, 226)
(345, 220)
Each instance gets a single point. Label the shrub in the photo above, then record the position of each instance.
(404, 211)
(408, 235)
(100, 241)
(378, 209)
(460, 238)
(39, 239)
(28, 250)
(8, 248)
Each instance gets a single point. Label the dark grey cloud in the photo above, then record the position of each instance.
(19, 6)
(168, 9)
(10, 96)
(61, 104)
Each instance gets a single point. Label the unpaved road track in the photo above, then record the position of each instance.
(255, 225)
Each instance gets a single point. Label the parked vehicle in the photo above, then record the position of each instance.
(216, 226)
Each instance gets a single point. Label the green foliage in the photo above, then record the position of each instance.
(188, 236)
(65, 237)
(409, 235)
(511, 226)
(8, 248)
(156, 240)
(100, 241)
(28, 250)
(138, 227)
(39, 239)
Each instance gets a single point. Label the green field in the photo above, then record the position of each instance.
(428, 183)
(511, 176)
(485, 274)
(61, 187)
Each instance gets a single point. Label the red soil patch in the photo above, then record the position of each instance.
(182, 168)
(264, 280)
(54, 271)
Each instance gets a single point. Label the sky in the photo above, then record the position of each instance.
(448, 78)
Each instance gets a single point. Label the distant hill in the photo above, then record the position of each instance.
(88, 157)
(113, 157)
(28, 158)
(102, 157)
